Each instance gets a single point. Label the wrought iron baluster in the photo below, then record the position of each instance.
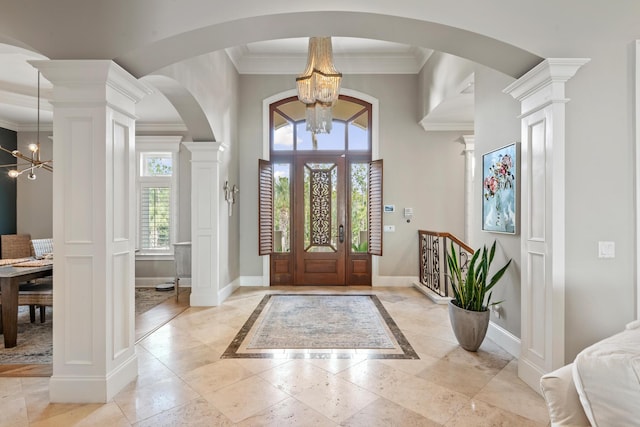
(432, 247)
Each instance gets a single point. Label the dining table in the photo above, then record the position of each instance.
(10, 278)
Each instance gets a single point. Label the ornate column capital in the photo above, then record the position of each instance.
(469, 142)
(544, 84)
(205, 151)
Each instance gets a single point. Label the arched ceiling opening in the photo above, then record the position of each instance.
(484, 50)
(144, 36)
(185, 104)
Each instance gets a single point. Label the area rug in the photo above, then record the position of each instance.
(147, 298)
(320, 326)
(35, 339)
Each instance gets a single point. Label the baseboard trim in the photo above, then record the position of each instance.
(393, 281)
(93, 389)
(151, 282)
(390, 281)
(226, 292)
(438, 299)
(252, 281)
(203, 298)
(530, 374)
(504, 339)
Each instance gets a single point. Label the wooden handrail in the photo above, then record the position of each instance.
(449, 236)
(433, 250)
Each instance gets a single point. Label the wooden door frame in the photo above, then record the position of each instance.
(264, 280)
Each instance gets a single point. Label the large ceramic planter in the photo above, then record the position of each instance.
(470, 327)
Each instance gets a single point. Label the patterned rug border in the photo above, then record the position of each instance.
(407, 350)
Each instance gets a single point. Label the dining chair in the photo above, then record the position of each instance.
(38, 293)
(40, 248)
(13, 246)
(33, 295)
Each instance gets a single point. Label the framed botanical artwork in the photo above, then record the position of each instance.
(500, 189)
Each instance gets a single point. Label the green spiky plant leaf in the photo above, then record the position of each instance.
(470, 289)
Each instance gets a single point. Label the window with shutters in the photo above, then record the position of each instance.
(157, 166)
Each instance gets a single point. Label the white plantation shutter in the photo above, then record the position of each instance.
(155, 217)
(265, 207)
(375, 207)
(157, 160)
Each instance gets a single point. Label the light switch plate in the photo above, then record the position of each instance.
(606, 250)
(389, 228)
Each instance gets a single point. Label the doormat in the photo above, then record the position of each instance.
(320, 326)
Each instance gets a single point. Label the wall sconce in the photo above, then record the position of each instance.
(230, 195)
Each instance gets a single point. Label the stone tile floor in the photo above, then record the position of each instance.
(183, 381)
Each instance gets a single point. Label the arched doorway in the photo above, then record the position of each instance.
(321, 197)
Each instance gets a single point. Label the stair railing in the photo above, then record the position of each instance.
(433, 247)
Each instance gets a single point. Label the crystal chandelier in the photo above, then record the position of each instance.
(319, 85)
(33, 162)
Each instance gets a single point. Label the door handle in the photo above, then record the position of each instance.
(341, 233)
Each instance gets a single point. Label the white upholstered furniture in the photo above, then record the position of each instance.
(601, 387)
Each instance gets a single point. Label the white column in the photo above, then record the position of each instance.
(542, 98)
(469, 180)
(636, 122)
(206, 191)
(93, 228)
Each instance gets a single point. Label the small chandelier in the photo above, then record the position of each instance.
(33, 162)
(319, 85)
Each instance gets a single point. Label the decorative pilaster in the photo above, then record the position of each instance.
(541, 93)
(206, 190)
(93, 228)
(469, 179)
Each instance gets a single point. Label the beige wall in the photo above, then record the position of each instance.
(35, 198)
(423, 170)
(440, 78)
(497, 125)
(599, 166)
(220, 104)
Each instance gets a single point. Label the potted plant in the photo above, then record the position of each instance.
(468, 311)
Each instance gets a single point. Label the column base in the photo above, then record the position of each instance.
(203, 298)
(92, 389)
(530, 374)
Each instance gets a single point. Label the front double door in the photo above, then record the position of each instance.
(330, 220)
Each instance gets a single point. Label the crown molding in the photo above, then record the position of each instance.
(450, 126)
(410, 62)
(545, 74)
(33, 127)
(9, 125)
(160, 127)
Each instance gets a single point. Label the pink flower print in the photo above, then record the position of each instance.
(491, 184)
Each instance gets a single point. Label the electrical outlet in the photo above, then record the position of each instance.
(497, 309)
